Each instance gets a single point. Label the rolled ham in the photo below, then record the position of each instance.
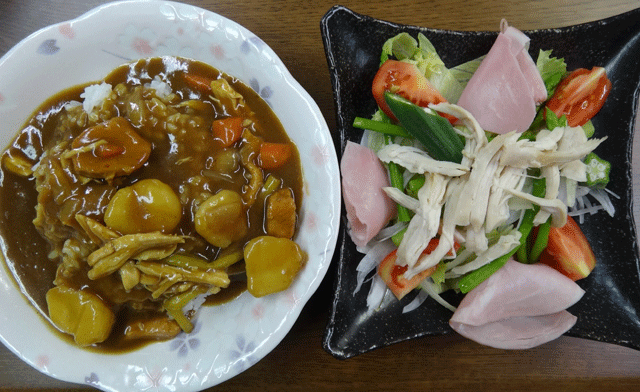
(368, 207)
(503, 92)
(519, 333)
(520, 306)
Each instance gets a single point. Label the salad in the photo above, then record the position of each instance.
(468, 179)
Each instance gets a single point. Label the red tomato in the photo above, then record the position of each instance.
(393, 274)
(568, 251)
(405, 80)
(580, 95)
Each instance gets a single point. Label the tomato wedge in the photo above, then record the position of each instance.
(580, 95)
(393, 274)
(568, 251)
(405, 80)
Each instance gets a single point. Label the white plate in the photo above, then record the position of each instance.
(229, 338)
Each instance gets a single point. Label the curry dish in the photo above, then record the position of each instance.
(128, 202)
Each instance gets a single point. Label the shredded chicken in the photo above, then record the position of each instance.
(417, 161)
(478, 192)
(425, 223)
(505, 244)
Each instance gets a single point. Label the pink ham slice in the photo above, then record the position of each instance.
(520, 306)
(503, 92)
(368, 207)
(519, 333)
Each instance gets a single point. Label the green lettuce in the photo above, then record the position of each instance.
(552, 69)
(422, 54)
(465, 71)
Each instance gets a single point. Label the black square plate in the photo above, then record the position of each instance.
(609, 311)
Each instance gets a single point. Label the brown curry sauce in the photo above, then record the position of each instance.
(26, 251)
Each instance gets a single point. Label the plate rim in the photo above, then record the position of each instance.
(318, 272)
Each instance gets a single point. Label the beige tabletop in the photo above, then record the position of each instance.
(292, 29)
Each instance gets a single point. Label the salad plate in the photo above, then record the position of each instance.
(229, 338)
(610, 309)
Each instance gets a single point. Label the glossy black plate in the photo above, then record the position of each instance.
(609, 311)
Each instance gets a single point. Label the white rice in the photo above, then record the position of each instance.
(94, 96)
(71, 104)
(162, 88)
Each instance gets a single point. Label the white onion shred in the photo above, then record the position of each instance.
(584, 205)
(371, 260)
(429, 286)
(376, 292)
(417, 301)
(390, 231)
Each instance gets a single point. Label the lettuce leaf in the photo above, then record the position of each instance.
(422, 54)
(401, 47)
(465, 71)
(552, 69)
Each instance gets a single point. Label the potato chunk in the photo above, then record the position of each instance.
(146, 206)
(81, 314)
(222, 219)
(271, 264)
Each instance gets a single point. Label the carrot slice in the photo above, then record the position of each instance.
(198, 82)
(273, 155)
(227, 130)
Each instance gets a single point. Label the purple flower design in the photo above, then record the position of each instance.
(186, 341)
(242, 357)
(92, 379)
(265, 93)
(48, 47)
(246, 45)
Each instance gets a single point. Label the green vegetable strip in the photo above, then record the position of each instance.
(542, 239)
(473, 279)
(174, 306)
(379, 126)
(181, 319)
(539, 190)
(179, 301)
(185, 261)
(397, 238)
(397, 181)
(224, 262)
(414, 185)
(434, 132)
(526, 225)
(270, 185)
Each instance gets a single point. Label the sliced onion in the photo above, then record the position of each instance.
(390, 231)
(417, 301)
(371, 260)
(429, 287)
(376, 292)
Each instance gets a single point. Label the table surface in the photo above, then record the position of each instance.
(292, 29)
